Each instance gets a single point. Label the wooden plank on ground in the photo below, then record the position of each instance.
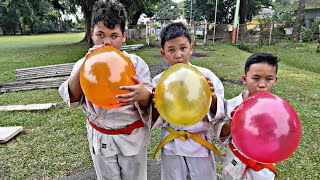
(6, 133)
(32, 84)
(28, 107)
(44, 71)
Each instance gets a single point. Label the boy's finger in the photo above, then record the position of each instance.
(128, 95)
(136, 79)
(129, 88)
(126, 101)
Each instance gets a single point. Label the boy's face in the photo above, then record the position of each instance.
(177, 50)
(103, 35)
(260, 77)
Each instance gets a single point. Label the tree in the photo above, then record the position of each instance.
(226, 8)
(134, 10)
(34, 14)
(9, 20)
(299, 20)
(168, 10)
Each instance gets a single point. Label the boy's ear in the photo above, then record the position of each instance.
(124, 37)
(162, 52)
(275, 82)
(191, 48)
(244, 80)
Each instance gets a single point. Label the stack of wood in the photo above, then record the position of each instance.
(41, 77)
(44, 77)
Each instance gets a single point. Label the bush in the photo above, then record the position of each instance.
(306, 34)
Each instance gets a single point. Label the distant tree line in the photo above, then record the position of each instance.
(37, 16)
(33, 16)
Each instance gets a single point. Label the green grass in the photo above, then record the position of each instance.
(29, 51)
(299, 55)
(54, 143)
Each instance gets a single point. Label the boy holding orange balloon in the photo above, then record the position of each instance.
(186, 149)
(118, 135)
(260, 75)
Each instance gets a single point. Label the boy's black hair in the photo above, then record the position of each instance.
(173, 30)
(261, 57)
(111, 12)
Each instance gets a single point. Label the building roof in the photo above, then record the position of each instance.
(310, 4)
(264, 13)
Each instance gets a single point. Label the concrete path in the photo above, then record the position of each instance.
(153, 173)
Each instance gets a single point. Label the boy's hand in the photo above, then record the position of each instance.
(226, 128)
(95, 47)
(155, 113)
(137, 92)
(211, 86)
(152, 95)
(213, 107)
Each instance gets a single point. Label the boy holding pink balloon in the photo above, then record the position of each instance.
(118, 132)
(260, 76)
(185, 147)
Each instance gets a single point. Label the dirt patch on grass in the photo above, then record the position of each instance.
(194, 55)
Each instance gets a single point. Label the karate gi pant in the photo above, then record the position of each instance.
(175, 167)
(120, 167)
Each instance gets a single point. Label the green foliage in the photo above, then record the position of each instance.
(9, 20)
(306, 34)
(286, 18)
(316, 21)
(168, 10)
(226, 8)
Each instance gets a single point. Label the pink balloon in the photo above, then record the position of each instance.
(265, 128)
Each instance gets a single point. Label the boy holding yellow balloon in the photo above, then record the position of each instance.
(118, 132)
(260, 75)
(185, 147)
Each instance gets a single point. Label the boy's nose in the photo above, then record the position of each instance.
(106, 41)
(262, 85)
(177, 55)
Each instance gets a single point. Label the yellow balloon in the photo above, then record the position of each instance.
(103, 72)
(183, 95)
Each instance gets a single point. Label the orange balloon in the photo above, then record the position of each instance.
(102, 73)
(183, 95)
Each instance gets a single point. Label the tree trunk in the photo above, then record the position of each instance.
(243, 18)
(318, 48)
(87, 10)
(32, 29)
(21, 30)
(243, 11)
(299, 20)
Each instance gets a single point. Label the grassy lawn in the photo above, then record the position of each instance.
(54, 143)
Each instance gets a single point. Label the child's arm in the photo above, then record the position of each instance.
(226, 129)
(155, 113)
(74, 88)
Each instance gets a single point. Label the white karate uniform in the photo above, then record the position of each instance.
(116, 156)
(233, 168)
(181, 158)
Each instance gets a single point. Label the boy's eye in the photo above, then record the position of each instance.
(183, 48)
(255, 78)
(100, 35)
(171, 50)
(269, 79)
(114, 36)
